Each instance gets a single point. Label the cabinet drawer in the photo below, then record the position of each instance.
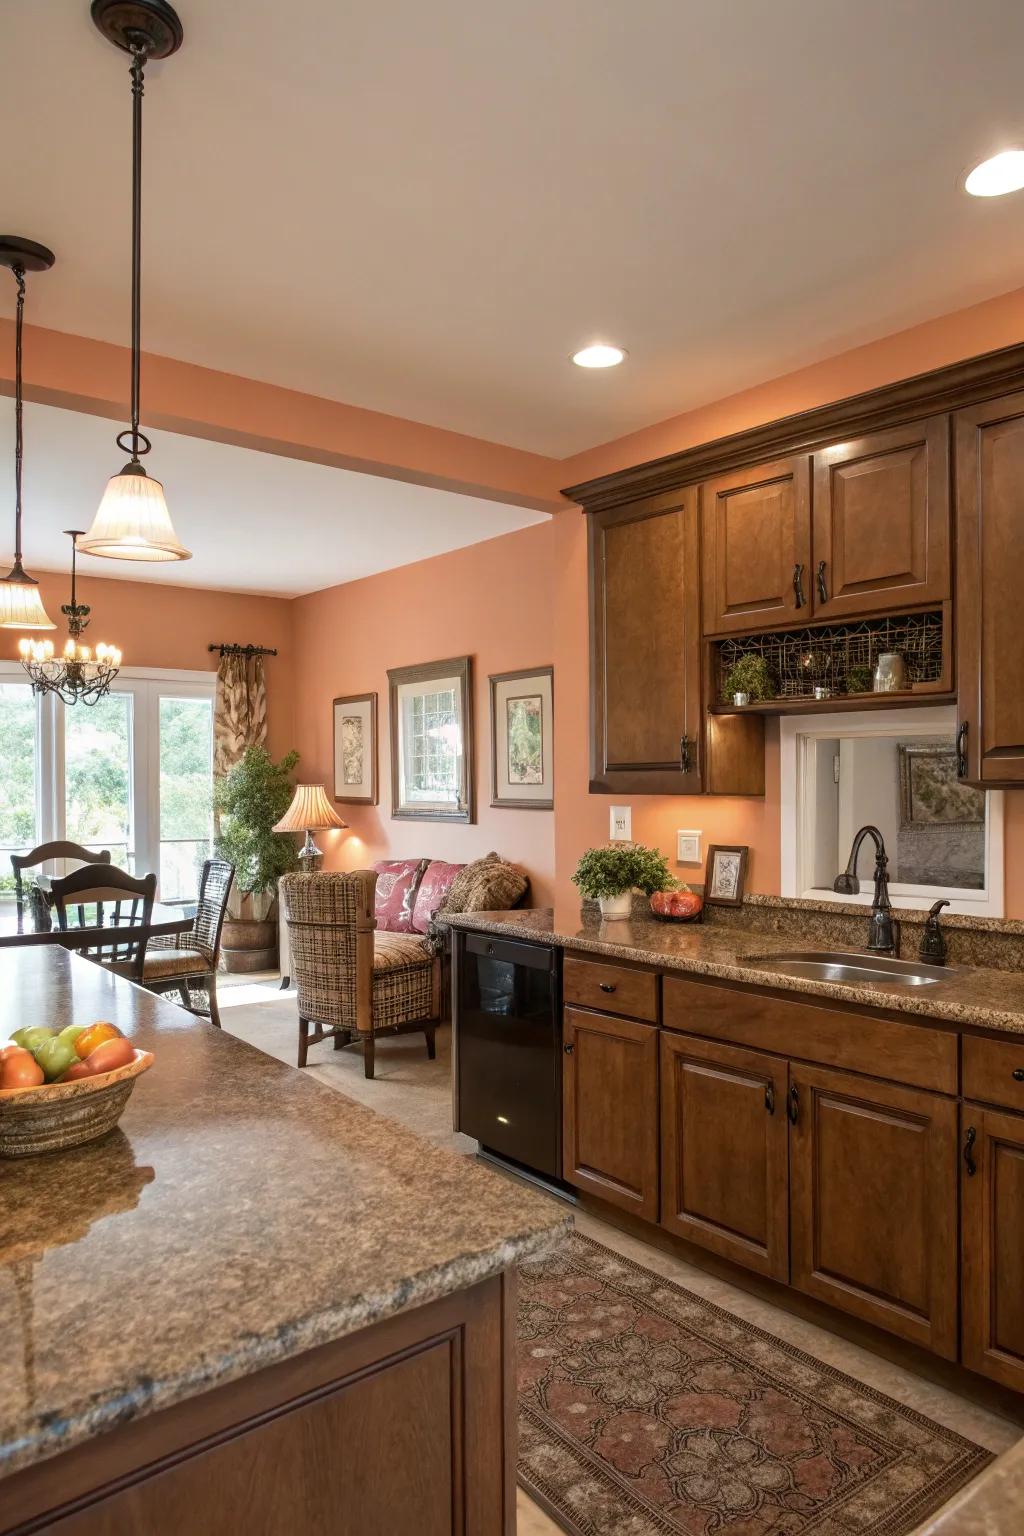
(886, 1048)
(611, 988)
(994, 1071)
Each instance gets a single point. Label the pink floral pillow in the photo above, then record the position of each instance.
(397, 883)
(434, 887)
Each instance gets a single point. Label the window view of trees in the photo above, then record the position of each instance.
(98, 776)
(186, 793)
(17, 776)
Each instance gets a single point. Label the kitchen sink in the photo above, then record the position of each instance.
(850, 966)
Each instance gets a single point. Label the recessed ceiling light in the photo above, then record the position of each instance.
(599, 356)
(1002, 173)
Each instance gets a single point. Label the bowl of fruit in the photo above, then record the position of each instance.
(62, 1088)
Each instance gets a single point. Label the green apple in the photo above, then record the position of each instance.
(55, 1055)
(72, 1031)
(31, 1036)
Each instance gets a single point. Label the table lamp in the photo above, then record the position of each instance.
(309, 812)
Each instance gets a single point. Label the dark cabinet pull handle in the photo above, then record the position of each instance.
(961, 751)
(685, 754)
(1018, 1074)
(969, 1162)
(607, 986)
(769, 1097)
(822, 588)
(793, 1107)
(798, 585)
(569, 1049)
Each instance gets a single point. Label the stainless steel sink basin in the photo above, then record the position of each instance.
(850, 966)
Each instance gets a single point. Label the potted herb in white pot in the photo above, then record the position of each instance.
(610, 875)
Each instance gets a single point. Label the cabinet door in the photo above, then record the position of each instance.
(990, 581)
(757, 547)
(645, 653)
(881, 531)
(873, 1202)
(992, 1239)
(610, 1109)
(724, 1174)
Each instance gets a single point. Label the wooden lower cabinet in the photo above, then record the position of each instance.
(610, 1115)
(724, 1151)
(873, 1202)
(992, 1243)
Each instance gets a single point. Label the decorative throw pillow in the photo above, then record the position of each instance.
(490, 884)
(433, 888)
(397, 883)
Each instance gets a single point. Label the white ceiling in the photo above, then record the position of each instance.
(424, 208)
(256, 522)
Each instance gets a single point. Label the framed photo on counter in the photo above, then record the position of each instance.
(523, 739)
(725, 875)
(355, 749)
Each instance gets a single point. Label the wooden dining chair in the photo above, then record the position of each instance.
(43, 854)
(124, 908)
(187, 963)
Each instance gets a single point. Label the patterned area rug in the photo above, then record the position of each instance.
(645, 1411)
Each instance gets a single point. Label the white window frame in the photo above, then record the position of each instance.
(146, 685)
(798, 738)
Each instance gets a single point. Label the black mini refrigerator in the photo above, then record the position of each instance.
(507, 1043)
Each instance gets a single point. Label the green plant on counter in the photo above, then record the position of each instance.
(859, 679)
(623, 867)
(249, 799)
(750, 674)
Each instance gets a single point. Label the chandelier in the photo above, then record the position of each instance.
(80, 675)
(21, 607)
(133, 522)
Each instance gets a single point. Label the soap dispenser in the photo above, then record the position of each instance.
(933, 940)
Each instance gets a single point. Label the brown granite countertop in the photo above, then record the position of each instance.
(241, 1213)
(973, 995)
(993, 1505)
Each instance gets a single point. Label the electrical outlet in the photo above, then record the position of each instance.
(688, 848)
(621, 824)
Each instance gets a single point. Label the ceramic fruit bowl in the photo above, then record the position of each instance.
(59, 1115)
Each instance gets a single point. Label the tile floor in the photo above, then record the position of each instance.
(418, 1093)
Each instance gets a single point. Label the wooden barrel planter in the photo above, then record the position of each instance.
(248, 945)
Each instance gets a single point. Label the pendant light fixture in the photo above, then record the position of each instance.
(133, 522)
(80, 675)
(21, 607)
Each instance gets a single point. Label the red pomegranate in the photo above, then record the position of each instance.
(683, 906)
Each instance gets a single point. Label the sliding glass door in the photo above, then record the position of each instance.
(132, 773)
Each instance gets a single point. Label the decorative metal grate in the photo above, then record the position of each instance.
(801, 659)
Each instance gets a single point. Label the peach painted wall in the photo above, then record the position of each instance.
(163, 626)
(492, 601)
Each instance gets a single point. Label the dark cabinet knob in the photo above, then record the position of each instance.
(961, 751)
(569, 1049)
(1018, 1074)
(822, 588)
(793, 1107)
(969, 1141)
(769, 1097)
(798, 586)
(607, 986)
(685, 755)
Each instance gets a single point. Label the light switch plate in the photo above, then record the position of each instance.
(688, 848)
(620, 828)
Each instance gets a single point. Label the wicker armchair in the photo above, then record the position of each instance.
(355, 983)
(187, 962)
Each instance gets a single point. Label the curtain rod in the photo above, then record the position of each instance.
(244, 650)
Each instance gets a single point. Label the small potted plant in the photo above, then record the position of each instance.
(749, 678)
(859, 678)
(610, 875)
(250, 799)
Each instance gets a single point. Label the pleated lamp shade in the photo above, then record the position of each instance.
(133, 522)
(310, 811)
(21, 607)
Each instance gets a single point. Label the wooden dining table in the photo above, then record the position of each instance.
(87, 926)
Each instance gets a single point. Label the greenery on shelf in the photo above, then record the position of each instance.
(750, 674)
(250, 799)
(859, 679)
(622, 867)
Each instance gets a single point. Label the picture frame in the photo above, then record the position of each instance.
(522, 739)
(931, 794)
(431, 731)
(725, 875)
(355, 749)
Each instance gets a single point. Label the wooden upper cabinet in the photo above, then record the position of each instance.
(992, 1242)
(873, 1200)
(757, 547)
(990, 584)
(609, 1109)
(881, 522)
(645, 648)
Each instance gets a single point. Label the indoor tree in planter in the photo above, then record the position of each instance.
(250, 798)
(610, 875)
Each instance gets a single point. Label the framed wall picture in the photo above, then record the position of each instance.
(355, 749)
(522, 739)
(725, 876)
(431, 721)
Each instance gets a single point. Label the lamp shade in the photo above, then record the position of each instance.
(310, 811)
(21, 607)
(132, 522)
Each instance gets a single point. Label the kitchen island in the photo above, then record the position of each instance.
(254, 1306)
